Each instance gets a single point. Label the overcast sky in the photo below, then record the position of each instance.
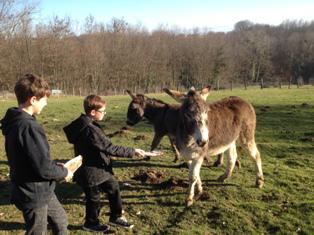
(217, 15)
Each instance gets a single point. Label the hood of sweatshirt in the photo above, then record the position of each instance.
(12, 116)
(73, 130)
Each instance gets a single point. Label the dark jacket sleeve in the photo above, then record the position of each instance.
(36, 146)
(104, 144)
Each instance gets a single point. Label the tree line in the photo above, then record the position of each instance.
(107, 58)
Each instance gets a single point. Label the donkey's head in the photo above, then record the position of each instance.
(194, 114)
(136, 108)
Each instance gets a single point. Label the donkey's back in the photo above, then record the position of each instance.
(230, 119)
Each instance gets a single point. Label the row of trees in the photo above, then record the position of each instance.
(114, 56)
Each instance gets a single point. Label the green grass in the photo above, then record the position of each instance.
(285, 137)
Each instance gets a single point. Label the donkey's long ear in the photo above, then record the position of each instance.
(131, 94)
(176, 95)
(205, 92)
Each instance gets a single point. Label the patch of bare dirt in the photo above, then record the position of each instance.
(126, 128)
(264, 108)
(307, 139)
(150, 176)
(305, 105)
(124, 131)
(3, 178)
(4, 181)
(174, 182)
(204, 196)
(140, 137)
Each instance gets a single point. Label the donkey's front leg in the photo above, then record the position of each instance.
(194, 178)
(155, 143)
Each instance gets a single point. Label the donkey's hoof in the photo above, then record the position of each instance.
(259, 183)
(217, 164)
(198, 195)
(222, 178)
(183, 165)
(238, 164)
(189, 202)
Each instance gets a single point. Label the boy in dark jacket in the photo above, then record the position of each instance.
(32, 172)
(95, 175)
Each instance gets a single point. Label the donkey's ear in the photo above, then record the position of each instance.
(176, 95)
(130, 94)
(205, 92)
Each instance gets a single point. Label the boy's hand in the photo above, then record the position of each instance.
(69, 176)
(142, 153)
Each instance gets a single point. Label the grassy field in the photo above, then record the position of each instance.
(285, 137)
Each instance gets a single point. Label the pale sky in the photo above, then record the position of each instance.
(217, 15)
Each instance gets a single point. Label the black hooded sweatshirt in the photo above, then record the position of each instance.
(96, 148)
(32, 172)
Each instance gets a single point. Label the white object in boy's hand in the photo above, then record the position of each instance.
(69, 176)
(74, 163)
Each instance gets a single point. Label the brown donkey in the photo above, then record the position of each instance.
(213, 128)
(179, 97)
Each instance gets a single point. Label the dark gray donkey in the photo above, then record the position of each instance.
(163, 116)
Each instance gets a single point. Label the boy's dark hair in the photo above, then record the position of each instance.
(30, 85)
(93, 102)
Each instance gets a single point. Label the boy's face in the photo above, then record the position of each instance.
(99, 114)
(38, 104)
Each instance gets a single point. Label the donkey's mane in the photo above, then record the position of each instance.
(156, 100)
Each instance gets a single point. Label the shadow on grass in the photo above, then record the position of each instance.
(215, 183)
(175, 219)
(74, 227)
(9, 226)
(157, 195)
(144, 163)
(3, 162)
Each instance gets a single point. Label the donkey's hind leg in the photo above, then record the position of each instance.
(254, 153)
(232, 158)
(219, 161)
(175, 149)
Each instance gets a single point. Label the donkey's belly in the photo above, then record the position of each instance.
(218, 149)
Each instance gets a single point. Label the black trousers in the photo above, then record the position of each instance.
(93, 206)
(36, 219)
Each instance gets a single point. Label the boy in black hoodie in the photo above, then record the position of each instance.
(32, 172)
(95, 175)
